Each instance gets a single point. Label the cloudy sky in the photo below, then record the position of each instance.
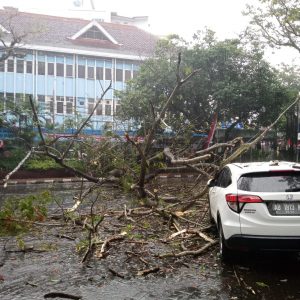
(165, 16)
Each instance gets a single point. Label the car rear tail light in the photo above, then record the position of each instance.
(236, 202)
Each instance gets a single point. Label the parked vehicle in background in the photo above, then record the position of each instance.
(256, 206)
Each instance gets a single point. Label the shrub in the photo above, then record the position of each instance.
(18, 214)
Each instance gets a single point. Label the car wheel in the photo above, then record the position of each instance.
(225, 252)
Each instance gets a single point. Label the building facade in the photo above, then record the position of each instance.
(66, 63)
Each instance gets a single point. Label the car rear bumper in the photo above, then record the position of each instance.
(254, 242)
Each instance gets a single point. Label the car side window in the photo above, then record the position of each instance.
(218, 179)
(224, 178)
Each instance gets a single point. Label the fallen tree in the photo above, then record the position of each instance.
(183, 222)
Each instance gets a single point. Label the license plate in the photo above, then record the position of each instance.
(284, 208)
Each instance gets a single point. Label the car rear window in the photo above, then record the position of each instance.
(285, 181)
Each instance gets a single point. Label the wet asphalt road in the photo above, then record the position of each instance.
(31, 275)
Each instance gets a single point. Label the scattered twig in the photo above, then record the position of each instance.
(148, 271)
(115, 273)
(62, 295)
(63, 236)
(20, 164)
(105, 244)
(189, 252)
(31, 283)
(236, 276)
(247, 287)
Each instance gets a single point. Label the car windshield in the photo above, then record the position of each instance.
(270, 182)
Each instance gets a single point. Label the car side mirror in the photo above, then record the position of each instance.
(211, 183)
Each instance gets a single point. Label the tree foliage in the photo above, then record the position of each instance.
(16, 115)
(233, 80)
(277, 21)
(12, 36)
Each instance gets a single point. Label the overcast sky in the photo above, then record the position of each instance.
(183, 17)
(165, 16)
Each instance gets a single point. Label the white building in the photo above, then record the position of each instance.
(68, 60)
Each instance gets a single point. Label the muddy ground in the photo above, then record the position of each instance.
(130, 267)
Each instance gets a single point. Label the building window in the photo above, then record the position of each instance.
(50, 68)
(60, 69)
(107, 74)
(1, 66)
(41, 102)
(60, 98)
(107, 109)
(90, 105)
(10, 65)
(10, 97)
(60, 107)
(69, 71)
(81, 71)
(70, 99)
(41, 68)
(69, 107)
(50, 104)
(118, 109)
(99, 110)
(27, 97)
(119, 75)
(91, 73)
(20, 97)
(2, 99)
(60, 104)
(41, 98)
(20, 66)
(80, 101)
(99, 73)
(127, 75)
(94, 33)
(29, 67)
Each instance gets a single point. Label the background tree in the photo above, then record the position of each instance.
(290, 77)
(12, 36)
(234, 81)
(15, 115)
(277, 21)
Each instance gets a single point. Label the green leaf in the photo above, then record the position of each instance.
(261, 284)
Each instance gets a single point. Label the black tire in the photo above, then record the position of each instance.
(226, 254)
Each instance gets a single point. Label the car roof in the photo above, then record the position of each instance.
(250, 167)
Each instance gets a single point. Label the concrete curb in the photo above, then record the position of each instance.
(75, 179)
(42, 180)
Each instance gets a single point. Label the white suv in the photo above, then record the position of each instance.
(256, 206)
